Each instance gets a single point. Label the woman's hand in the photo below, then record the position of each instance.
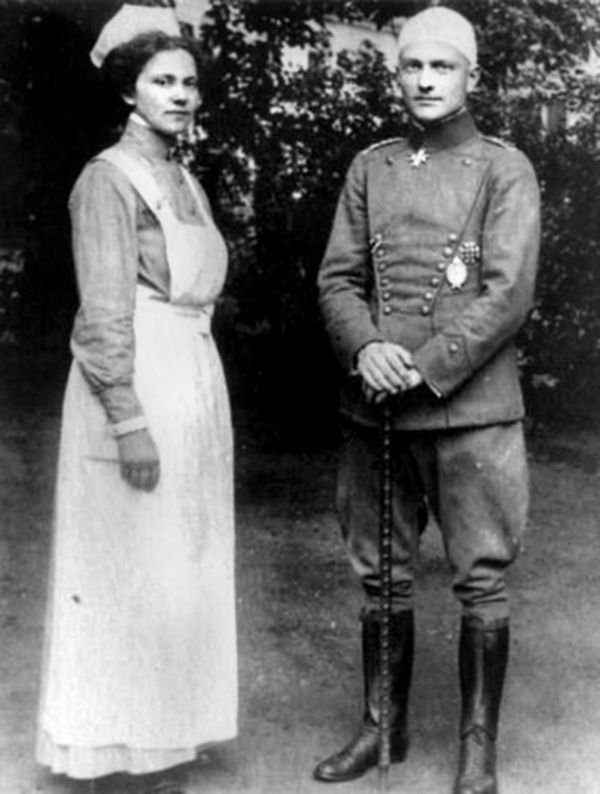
(140, 463)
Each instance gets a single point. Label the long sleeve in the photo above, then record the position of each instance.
(511, 234)
(105, 251)
(386, 274)
(345, 277)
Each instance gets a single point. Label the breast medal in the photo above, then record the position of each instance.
(418, 158)
(470, 253)
(456, 273)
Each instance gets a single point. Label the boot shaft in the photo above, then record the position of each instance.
(401, 644)
(483, 658)
(363, 751)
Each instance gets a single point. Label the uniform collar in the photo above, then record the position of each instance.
(145, 140)
(450, 132)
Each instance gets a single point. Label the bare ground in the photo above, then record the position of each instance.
(300, 682)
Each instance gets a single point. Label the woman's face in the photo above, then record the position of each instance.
(166, 92)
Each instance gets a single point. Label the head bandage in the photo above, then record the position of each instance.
(442, 25)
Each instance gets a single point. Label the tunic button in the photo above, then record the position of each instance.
(428, 296)
(467, 160)
(425, 309)
(441, 267)
(448, 250)
(386, 296)
(384, 282)
(387, 309)
(381, 267)
(453, 347)
(380, 251)
(453, 237)
(435, 282)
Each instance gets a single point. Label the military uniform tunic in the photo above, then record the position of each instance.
(434, 246)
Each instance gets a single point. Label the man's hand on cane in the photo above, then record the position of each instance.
(386, 369)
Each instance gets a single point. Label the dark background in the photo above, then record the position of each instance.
(55, 113)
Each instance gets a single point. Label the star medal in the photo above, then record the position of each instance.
(418, 158)
(456, 273)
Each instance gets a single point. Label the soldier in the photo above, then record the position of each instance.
(428, 276)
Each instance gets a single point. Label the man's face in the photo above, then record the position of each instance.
(435, 79)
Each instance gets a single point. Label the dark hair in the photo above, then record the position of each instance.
(123, 65)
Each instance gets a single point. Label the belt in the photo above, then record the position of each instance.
(149, 298)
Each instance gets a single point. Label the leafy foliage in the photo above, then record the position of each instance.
(277, 143)
(272, 148)
(561, 343)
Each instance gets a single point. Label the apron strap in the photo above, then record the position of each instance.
(198, 195)
(140, 176)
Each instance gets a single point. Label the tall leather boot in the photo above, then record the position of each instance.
(362, 753)
(483, 656)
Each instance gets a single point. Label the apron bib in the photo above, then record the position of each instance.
(196, 254)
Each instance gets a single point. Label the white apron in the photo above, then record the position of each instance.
(140, 665)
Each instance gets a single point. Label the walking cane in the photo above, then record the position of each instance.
(385, 593)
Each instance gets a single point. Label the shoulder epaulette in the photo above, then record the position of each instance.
(499, 142)
(380, 144)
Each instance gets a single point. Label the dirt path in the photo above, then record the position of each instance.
(298, 630)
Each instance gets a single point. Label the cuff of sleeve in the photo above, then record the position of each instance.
(120, 403)
(128, 426)
(433, 389)
(444, 363)
(353, 368)
(348, 337)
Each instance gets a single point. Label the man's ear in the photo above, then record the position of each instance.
(129, 100)
(474, 75)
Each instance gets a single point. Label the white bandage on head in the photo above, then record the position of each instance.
(443, 25)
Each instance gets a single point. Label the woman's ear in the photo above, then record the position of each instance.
(129, 100)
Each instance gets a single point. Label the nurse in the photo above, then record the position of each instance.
(140, 666)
